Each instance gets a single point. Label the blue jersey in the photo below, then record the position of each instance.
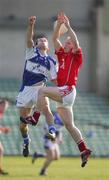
(38, 67)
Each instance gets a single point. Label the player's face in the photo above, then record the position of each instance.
(68, 44)
(43, 43)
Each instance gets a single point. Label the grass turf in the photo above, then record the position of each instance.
(20, 168)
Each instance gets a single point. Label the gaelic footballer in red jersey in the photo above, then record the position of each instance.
(69, 57)
(69, 64)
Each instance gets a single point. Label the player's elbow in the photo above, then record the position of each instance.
(29, 43)
(54, 38)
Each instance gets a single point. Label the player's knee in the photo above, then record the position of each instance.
(68, 125)
(22, 124)
(42, 92)
(45, 109)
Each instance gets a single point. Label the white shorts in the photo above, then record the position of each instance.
(28, 97)
(68, 94)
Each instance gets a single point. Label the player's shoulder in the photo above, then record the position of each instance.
(33, 48)
(31, 53)
(60, 50)
(30, 50)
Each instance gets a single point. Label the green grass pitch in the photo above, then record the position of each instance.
(20, 168)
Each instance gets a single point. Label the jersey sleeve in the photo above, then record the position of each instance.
(30, 53)
(53, 69)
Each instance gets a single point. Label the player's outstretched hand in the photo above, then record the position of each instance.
(32, 20)
(66, 21)
(60, 18)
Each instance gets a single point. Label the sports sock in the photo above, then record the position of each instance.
(52, 128)
(26, 139)
(82, 146)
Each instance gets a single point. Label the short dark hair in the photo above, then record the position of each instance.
(36, 37)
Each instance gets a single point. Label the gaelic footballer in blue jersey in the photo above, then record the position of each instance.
(52, 149)
(39, 68)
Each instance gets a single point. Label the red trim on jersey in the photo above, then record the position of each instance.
(67, 90)
(69, 64)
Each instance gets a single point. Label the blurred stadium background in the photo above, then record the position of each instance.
(90, 20)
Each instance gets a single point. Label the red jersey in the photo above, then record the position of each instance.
(69, 64)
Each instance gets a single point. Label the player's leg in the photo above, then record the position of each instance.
(66, 114)
(25, 103)
(67, 117)
(43, 105)
(34, 115)
(56, 151)
(50, 92)
(2, 172)
(52, 154)
(48, 160)
(36, 155)
(24, 130)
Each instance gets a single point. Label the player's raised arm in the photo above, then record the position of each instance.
(30, 31)
(56, 33)
(71, 33)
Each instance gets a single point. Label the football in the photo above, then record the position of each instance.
(63, 28)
